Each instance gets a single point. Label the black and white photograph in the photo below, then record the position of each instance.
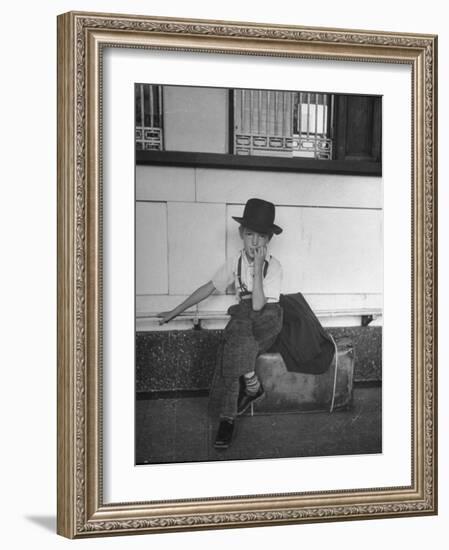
(258, 273)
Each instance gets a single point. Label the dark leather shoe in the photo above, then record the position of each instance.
(224, 434)
(246, 400)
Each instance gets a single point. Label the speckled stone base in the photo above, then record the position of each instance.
(184, 360)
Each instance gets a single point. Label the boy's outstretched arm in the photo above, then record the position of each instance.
(196, 297)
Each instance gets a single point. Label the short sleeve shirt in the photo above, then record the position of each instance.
(228, 273)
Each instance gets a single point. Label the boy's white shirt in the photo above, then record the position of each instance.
(228, 273)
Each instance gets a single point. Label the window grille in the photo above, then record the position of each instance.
(149, 117)
(287, 124)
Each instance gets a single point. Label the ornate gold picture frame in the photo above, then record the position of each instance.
(82, 508)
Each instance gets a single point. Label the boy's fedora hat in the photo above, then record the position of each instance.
(259, 216)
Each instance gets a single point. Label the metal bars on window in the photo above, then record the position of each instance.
(288, 124)
(149, 117)
(312, 122)
(266, 123)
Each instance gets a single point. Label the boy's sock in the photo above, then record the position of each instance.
(252, 384)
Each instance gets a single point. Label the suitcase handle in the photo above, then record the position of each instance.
(335, 374)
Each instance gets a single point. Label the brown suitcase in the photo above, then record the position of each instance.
(287, 392)
(297, 392)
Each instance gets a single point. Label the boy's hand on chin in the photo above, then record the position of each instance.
(259, 256)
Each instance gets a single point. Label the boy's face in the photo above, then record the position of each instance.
(252, 240)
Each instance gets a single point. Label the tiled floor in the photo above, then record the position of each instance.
(180, 430)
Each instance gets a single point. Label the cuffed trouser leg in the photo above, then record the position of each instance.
(239, 356)
(247, 334)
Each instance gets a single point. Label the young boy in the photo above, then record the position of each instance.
(255, 321)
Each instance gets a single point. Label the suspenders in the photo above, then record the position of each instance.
(243, 288)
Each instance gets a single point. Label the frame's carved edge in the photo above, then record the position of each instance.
(260, 518)
(80, 275)
(84, 526)
(430, 276)
(64, 107)
(247, 30)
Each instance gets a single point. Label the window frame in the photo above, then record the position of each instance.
(337, 166)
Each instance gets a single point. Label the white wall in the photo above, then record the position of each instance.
(28, 275)
(331, 248)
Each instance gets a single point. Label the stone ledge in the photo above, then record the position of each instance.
(185, 360)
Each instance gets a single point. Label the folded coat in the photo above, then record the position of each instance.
(303, 343)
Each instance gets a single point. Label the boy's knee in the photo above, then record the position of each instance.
(239, 328)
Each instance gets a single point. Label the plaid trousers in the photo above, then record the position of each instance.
(247, 334)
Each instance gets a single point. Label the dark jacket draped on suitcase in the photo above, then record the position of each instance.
(303, 343)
